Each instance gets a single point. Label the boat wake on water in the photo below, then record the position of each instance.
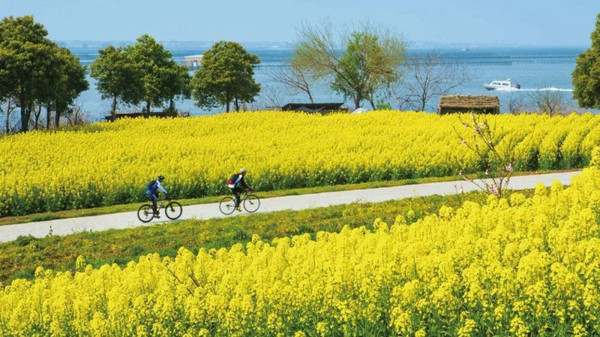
(548, 89)
(512, 89)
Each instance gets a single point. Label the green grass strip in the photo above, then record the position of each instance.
(20, 258)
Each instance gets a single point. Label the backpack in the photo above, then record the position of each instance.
(231, 180)
(151, 186)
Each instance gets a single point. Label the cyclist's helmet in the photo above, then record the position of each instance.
(243, 170)
(161, 177)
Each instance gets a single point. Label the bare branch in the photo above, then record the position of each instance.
(548, 101)
(430, 76)
(293, 77)
(498, 165)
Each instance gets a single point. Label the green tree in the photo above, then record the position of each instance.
(162, 78)
(369, 59)
(586, 76)
(119, 77)
(176, 83)
(69, 84)
(226, 75)
(26, 56)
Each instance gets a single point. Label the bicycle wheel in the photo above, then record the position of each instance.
(227, 205)
(251, 203)
(173, 210)
(145, 213)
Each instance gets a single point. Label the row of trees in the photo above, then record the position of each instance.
(367, 64)
(145, 72)
(35, 73)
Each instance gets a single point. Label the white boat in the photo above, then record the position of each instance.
(501, 85)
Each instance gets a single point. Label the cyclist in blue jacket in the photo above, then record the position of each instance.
(237, 184)
(152, 190)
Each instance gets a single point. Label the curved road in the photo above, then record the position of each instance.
(296, 202)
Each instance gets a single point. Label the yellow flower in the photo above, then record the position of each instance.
(95, 166)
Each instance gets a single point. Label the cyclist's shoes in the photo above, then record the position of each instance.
(239, 209)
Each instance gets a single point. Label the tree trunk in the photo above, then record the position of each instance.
(48, 116)
(148, 107)
(36, 115)
(9, 109)
(372, 104)
(237, 105)
(25, 113)
(228, 101)
(357, 100)
(113, 110)
(309, 96)
(7, 121)
(58, 113)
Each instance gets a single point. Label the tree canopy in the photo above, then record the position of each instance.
(369, 59)
(35, 71)
(118, 76)
(69, 84)
(176, 79)
(586, 76)
(226, 75)
(143, 72)
(27, 59)
(162, 78)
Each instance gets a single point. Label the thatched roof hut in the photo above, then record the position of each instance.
(476, 104)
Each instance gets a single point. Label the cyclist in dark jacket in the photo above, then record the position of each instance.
(152, 190)
(237, 184)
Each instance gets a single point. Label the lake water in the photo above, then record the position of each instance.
(533, 68)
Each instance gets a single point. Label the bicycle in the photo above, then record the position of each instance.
(172, 209)
(249, 201)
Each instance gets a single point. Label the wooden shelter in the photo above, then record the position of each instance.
(477, 104)
(323, 108)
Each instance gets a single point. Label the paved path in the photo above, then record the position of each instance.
(296, 202)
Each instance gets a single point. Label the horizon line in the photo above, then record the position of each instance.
(410, 44)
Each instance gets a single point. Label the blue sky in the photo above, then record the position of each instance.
(495, 22)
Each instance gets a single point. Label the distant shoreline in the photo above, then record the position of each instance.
(283, 45)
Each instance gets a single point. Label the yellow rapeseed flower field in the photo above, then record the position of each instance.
(110, 163)
(516, 267)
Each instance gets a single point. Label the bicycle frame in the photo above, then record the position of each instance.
(172, 209)
(160, 204)
(226, 205)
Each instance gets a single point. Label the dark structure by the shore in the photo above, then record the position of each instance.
(323, 108)
(146, 115)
